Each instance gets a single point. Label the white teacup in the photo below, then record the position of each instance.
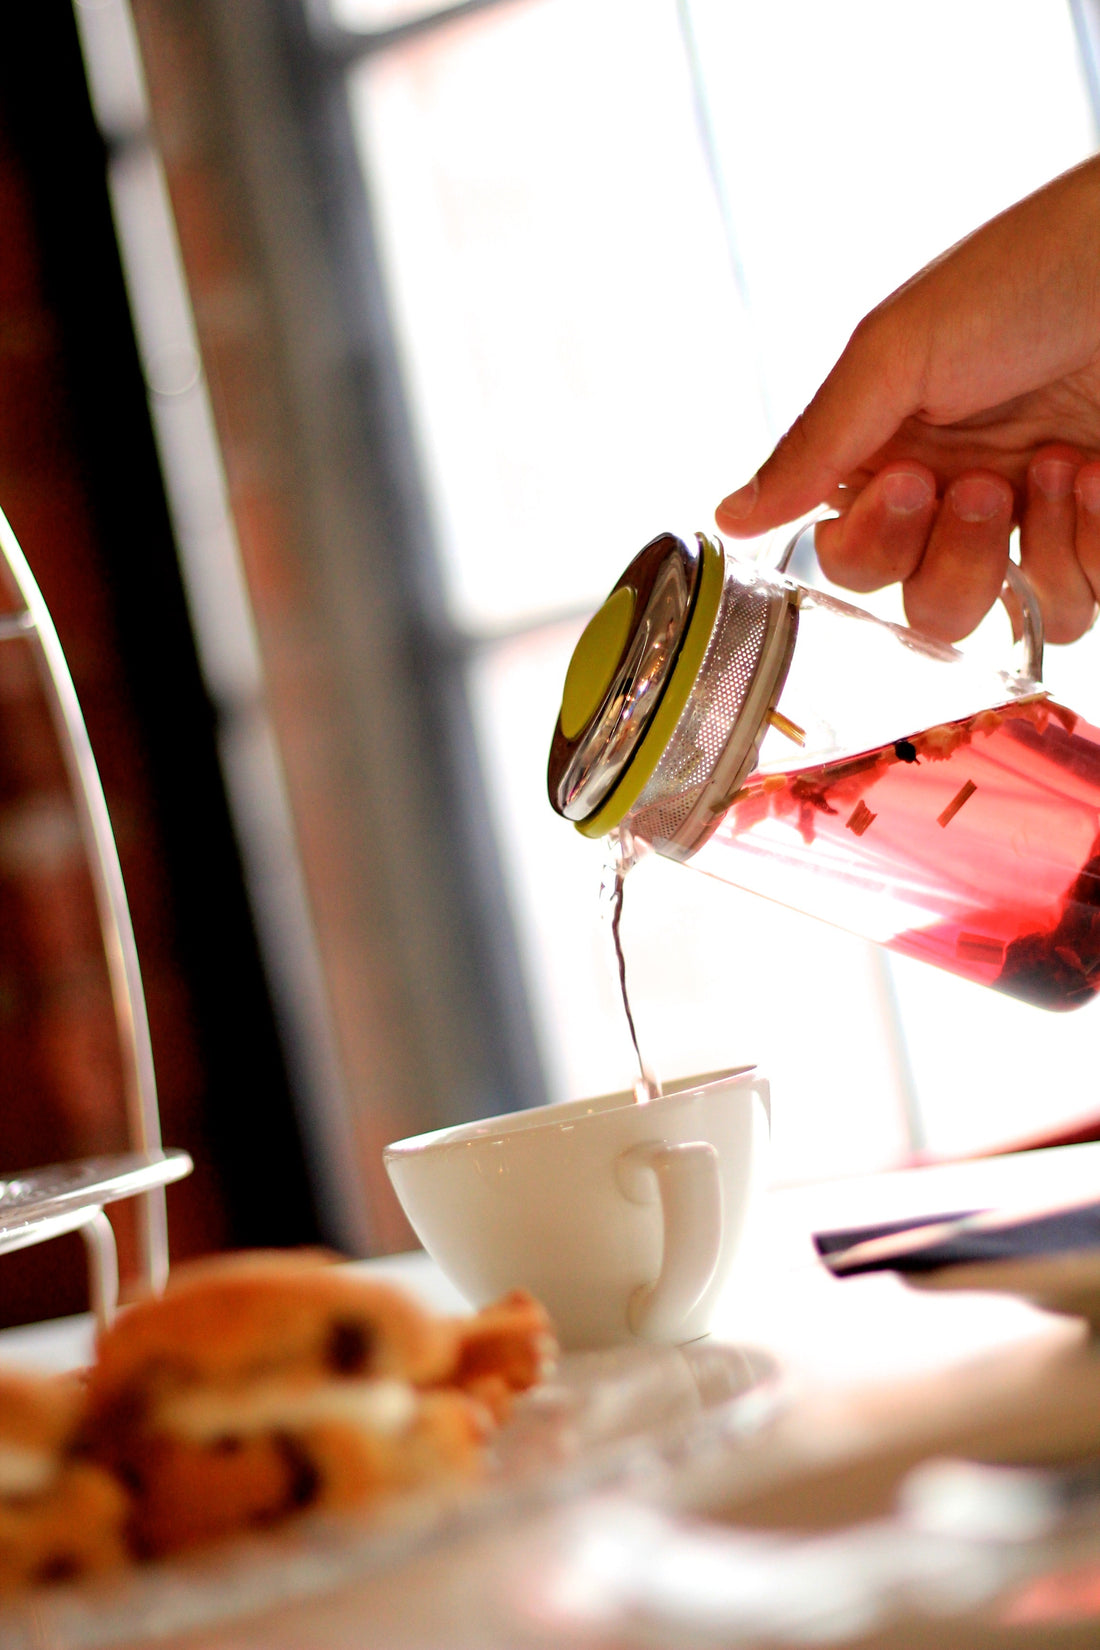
(623, 1218)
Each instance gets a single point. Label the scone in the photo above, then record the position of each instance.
(502, 1350)
(60, 1517)
(260, 1385)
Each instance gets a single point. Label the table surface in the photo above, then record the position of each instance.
(842, 1343)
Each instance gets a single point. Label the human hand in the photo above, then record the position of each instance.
(966, 403)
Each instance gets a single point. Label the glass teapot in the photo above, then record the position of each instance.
(859, 771)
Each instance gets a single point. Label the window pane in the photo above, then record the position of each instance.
(988, 1069)
(874, 183)
(857, 140)
(590, 358)
(566, 304)
(883, 146)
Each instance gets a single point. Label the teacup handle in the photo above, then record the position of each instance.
(685, 1178)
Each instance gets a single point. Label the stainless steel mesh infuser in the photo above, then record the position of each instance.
(669, 693)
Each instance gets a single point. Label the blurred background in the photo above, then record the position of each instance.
(348, 351)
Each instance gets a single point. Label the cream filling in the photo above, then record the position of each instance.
(26, 1471)
(384, 1407)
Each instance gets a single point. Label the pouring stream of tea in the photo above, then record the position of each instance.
(621, 857)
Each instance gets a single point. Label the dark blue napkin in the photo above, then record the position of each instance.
(925, 1244)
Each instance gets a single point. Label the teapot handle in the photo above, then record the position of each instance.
(1022, 606)
(788, 546)
(1020, 600)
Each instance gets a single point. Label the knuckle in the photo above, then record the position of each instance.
(1057, 450)
(848, 557)
(1065, 622)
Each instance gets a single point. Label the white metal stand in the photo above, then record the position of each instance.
(69, 1197)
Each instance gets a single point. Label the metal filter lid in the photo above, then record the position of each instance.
(668, 692)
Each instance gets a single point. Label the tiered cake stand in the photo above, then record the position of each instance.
(67, 1197)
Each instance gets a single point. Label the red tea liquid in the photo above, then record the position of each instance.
(975, 846)
(621, 859)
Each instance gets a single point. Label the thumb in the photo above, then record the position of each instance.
(856, 410)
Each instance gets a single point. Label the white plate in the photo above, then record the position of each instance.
(606, 1419)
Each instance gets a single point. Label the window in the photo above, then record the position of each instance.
(622, 241)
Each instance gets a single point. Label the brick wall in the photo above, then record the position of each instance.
(60, 1092)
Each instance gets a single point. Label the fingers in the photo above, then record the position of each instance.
(1056, 537)
(951, 557)
(869, 392)
(1087, 535)
(882, 537)
(963, 567)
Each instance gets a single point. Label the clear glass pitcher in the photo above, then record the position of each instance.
(798, 747)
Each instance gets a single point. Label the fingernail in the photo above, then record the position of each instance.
(743, 502)
(1054, 477)
(1088, 491)
(906, 492)
(977, 498)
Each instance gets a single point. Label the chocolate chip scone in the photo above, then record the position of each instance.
(502, 1350)
(61, 1517)
(261, 1385)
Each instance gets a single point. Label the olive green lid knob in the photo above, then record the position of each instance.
(620, 675)
(595, 661)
